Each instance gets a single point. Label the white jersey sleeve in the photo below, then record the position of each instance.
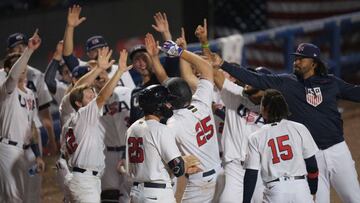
(233, 95)
(204, 92)
(308, 144)
(167, 146)
(65, 109)
(41, 90)
(60, 91)
(252, 160)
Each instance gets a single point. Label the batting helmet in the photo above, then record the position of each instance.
(153, 100)
(179, 88)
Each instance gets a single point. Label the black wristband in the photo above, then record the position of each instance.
(35, 148)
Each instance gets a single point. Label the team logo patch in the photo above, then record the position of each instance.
(314, 96)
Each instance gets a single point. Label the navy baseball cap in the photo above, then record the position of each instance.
(308, 50)
(95, 42)
(16, 39)
(136, 49)
(80, 71)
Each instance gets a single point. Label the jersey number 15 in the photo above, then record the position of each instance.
(284, 150)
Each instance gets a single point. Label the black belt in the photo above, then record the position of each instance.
(205, 174)
(116, 149)
(15, 143)
(81, 170)
(152, 185)
(295, 178)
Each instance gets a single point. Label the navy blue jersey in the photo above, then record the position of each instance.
(312, 102)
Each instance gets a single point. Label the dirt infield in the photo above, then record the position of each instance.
(351, 115)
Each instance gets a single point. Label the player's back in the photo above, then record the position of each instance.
(150, 145)
(283, 146)
(195, 132)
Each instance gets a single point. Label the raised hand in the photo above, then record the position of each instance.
(73, 18)
(122, 61)
(181, 41)
(171, 49)
(162, 25)
(104, 55)
(59, 50)
(201, 33)
(35, 41)
(151, 46)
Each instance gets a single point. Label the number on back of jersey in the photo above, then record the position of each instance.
(135, 150)
(279, 147)
(204, 131)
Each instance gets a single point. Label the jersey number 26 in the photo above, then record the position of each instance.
(284, 150)
(135, 151)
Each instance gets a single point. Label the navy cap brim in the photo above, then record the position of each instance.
(132, 54)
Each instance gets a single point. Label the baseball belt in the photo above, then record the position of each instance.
(115, 149)
(13, 143)
(151, 185)
(81, 170)
(288, 178)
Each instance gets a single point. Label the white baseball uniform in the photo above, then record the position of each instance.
(113, 126)
(278, 150)
(241, 119)
(196, 135)
(150, 146)
(85, 146)
(17, 110)
(61, 88)
(65, 109)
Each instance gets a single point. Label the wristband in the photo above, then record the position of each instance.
(205, 45)
(35, 148)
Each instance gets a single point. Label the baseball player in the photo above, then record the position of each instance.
(312, 95)
(193, 123)
(152, 151)
(284, 151)
(35, 81)
(92, 45)
(17, 105)
(84, 143)
(241, 119)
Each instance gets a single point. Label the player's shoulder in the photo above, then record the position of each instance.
(34, 71)
(293, 123)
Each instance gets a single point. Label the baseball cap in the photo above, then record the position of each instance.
(80, 71)
(15, 39)
(308, 50)
(95, 42)
(136, 49)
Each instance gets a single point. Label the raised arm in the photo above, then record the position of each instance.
(21, 64)
(162, 25)
(219, 78)
(103, 60)
(52, 68)
(348, 91)
(73, 20)
(153, 50)
(185, 67)
(201, 34)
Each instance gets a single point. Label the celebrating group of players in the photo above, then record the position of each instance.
(194, 129)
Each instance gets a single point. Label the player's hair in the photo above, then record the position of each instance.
(321, 68)
(10, 59)
(274, 103)
(76, 95)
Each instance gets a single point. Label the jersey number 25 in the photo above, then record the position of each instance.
(284, 150)
(204, 131)
(71, 144)
(135, 151)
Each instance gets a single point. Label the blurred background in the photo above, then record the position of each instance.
(251, 32)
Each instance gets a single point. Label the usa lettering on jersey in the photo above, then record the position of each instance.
(250, 116)
(115, 107)
(314, 96)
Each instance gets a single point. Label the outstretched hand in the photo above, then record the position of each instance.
(35, 41)
(122, 61)
(201, 32)
(73, 18)
(151, 46)
(103, 60)
(181, 41)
